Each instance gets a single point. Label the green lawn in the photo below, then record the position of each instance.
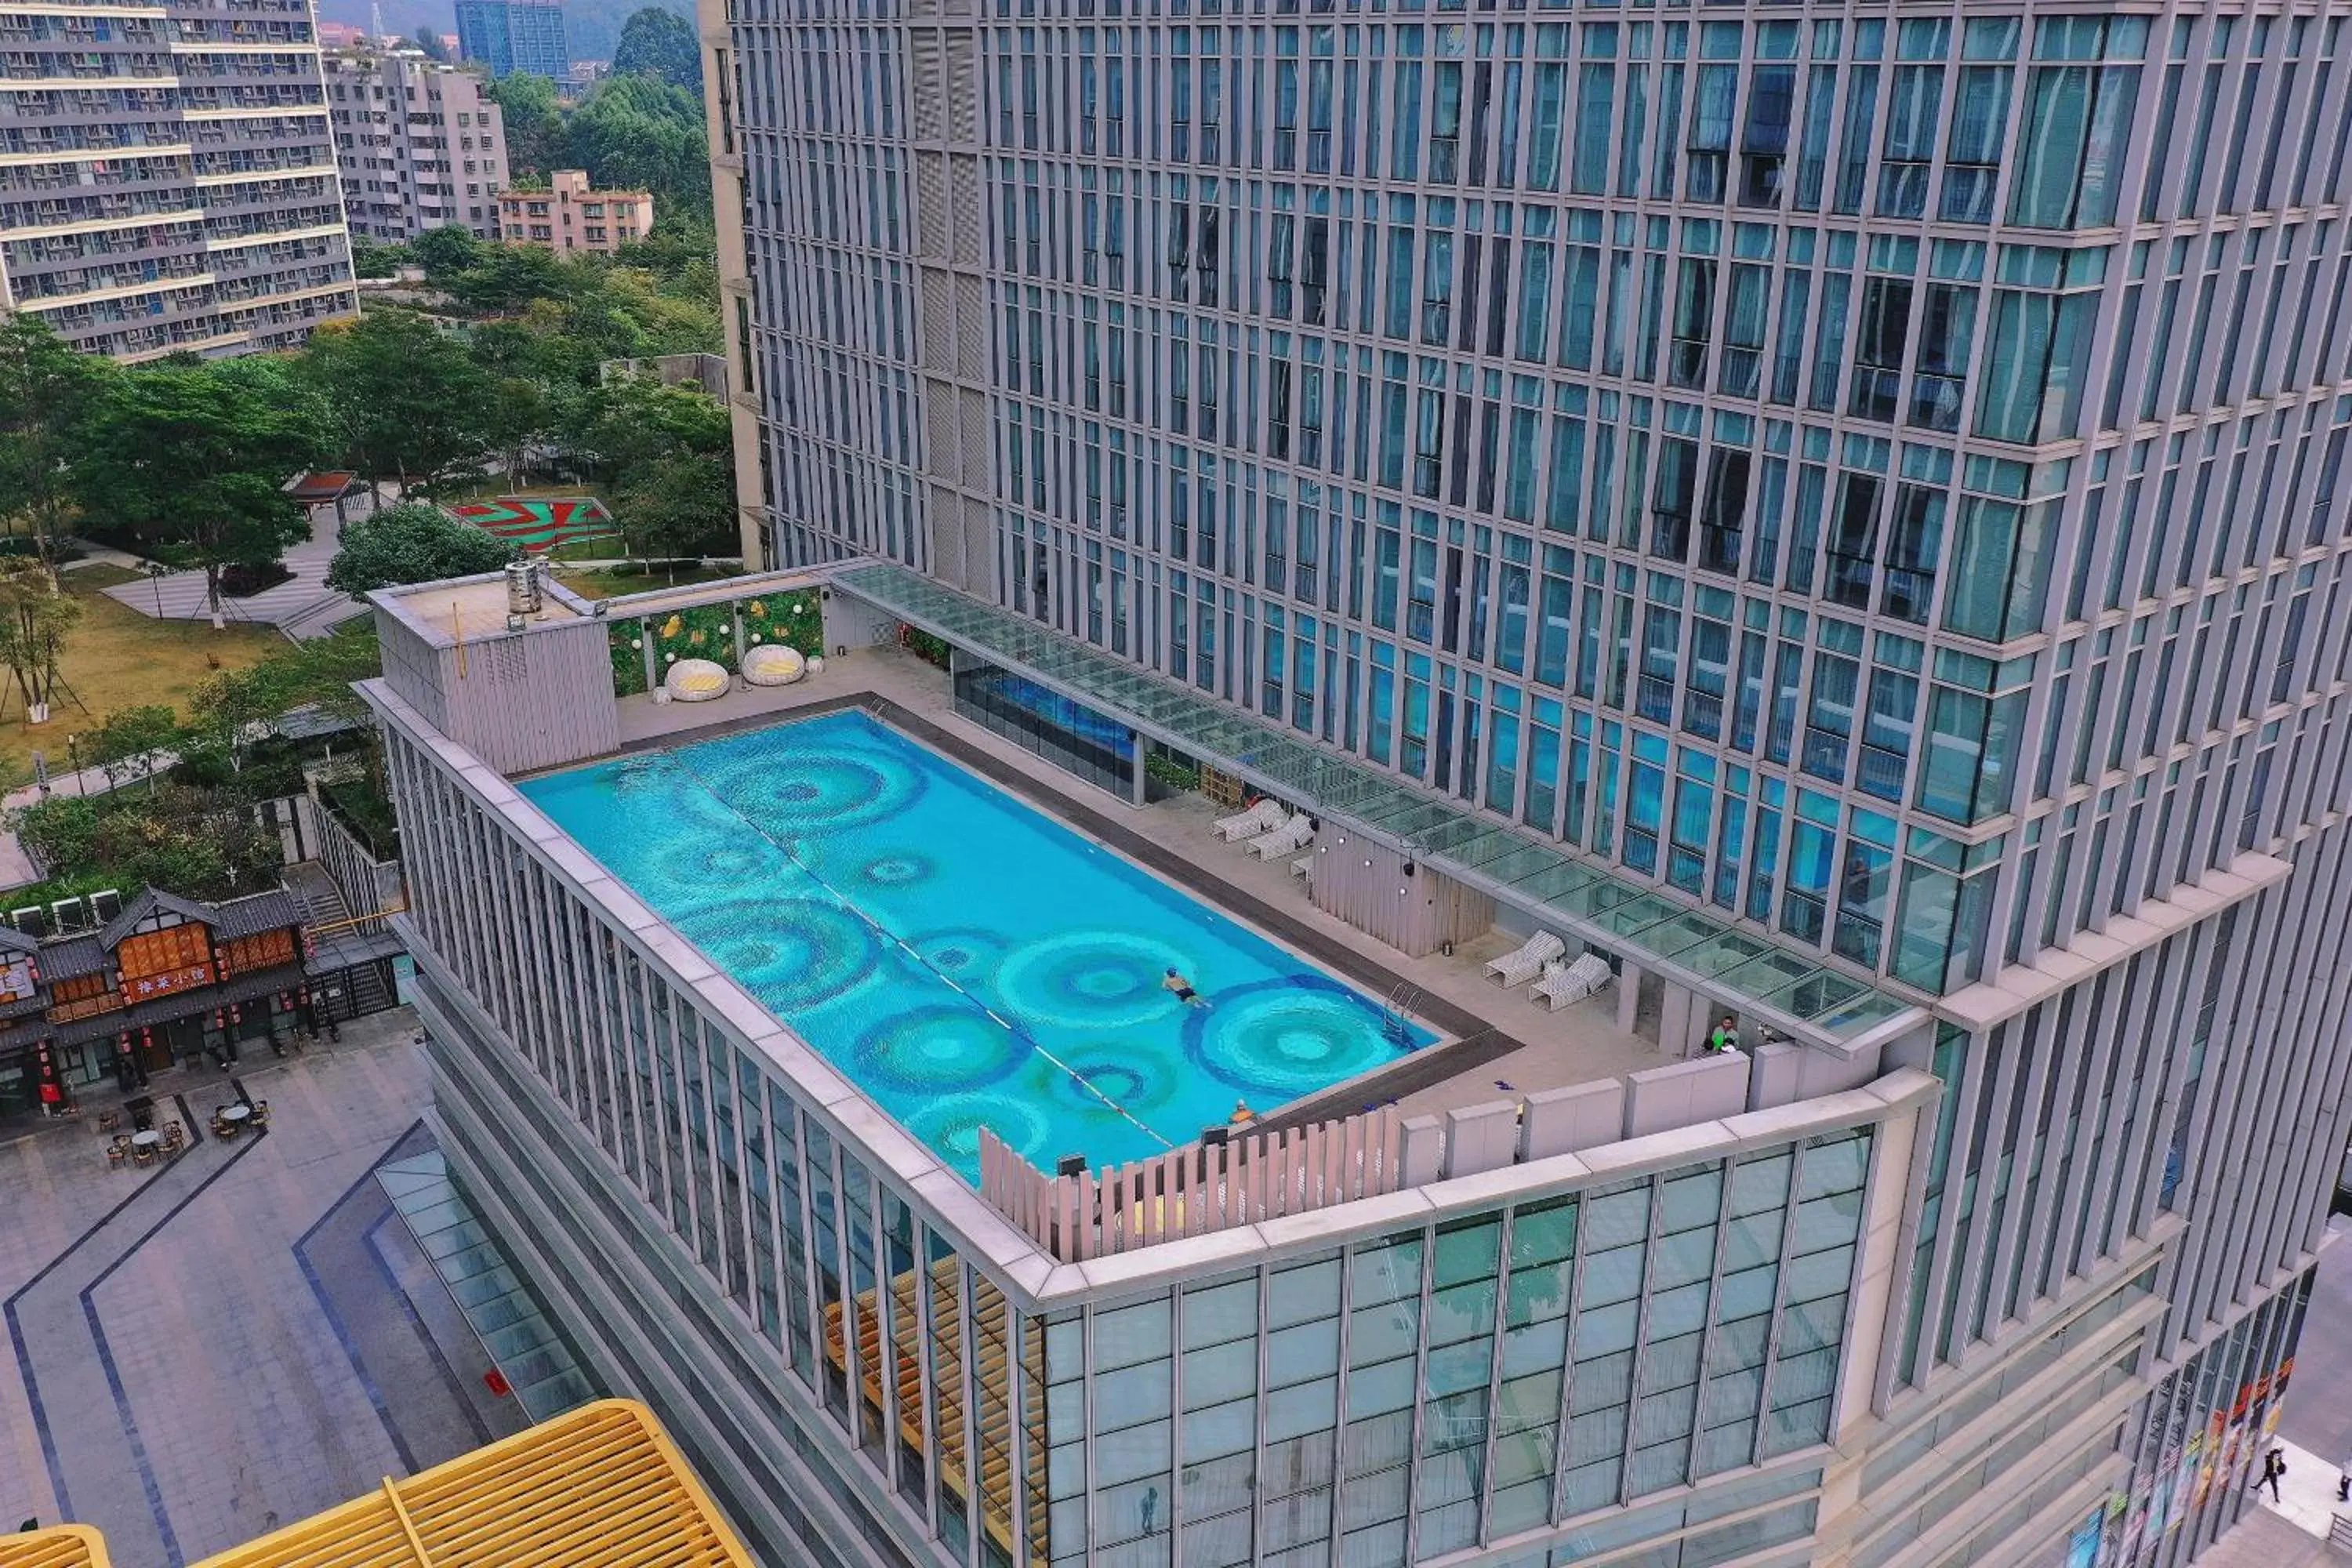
(607, 583)
(114, 659)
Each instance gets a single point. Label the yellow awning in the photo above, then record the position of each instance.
(598, 1487)
(60, 1546)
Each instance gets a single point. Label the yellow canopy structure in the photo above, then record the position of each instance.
(60, 1546)
(598, 1487)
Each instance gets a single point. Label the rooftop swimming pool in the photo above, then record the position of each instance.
(966, 960)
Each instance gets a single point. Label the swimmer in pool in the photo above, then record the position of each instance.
(1182, 988)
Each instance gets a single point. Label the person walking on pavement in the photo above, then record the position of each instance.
(2273, 1466)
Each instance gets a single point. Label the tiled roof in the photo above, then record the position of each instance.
(272, 910)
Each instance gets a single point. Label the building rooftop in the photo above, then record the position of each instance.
(470, 606)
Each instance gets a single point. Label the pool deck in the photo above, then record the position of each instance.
(1501, 1045)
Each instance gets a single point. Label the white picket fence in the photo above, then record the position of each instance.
(1194, 1190)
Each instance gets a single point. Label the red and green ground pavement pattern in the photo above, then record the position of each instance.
(541, 525)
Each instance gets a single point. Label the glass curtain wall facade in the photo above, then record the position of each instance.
(1660, 1356)
(167, 177)
(1875, 476)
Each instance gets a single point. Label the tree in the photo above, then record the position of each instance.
(406, 397)
(661, 43)
(508, 277)
(680, 503)
(45, 389)
(191, 460)
(428, 40)
(34, 615)
(641, 132)
(445, 251)
(412, 542)
(133, 741)
(534, 122)
(370, 260)
(199, 843)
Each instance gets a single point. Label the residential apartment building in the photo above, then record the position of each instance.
(420, 144)
(167, 181)
(1862, 487)
(569, 216)
(510, 36)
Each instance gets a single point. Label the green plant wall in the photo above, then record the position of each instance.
(627, 640)
(707, 631)
(795, 618)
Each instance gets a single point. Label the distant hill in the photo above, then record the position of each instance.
(591, 27)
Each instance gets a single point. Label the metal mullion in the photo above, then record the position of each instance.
(1980, 1202)
(683, 1132)
(886, 1371)
(1420, 1381)
(1707, 1327)
(1339, 1397)
(2120, 1165)
(1494, 1369)
(968, 1359)
(926, 1383)
(1871, 1176)
(805, 1206)
(1756, 1455)
(1257, 1451)
(1567, 1360)
(2021, 1243)
(1641, 1339)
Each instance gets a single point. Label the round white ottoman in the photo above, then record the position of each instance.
(774, 664)
(695, 680)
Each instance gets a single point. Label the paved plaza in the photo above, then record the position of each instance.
(205, 1350)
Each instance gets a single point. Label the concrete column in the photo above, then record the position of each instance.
(1629, 996)
(1675, 1020)
(1135, 746)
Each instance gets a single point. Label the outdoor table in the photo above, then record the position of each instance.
(237, 1113)
(151, 1138)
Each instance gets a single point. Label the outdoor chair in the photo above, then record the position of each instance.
(1288, 839)
(1519, 968)
(1565, 983)
(116, 1152)
(1265, 816)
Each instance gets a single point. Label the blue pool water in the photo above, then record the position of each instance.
(964, 960)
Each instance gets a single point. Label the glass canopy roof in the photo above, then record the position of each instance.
(1543, 876)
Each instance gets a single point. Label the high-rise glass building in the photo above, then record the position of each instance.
(1869, 480)
(167, 176)
(512, 36)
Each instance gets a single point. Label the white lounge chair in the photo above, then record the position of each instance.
(1262, 818)
(1302, 866)
(1565, 983)
(1519, 968)
(1288, 839)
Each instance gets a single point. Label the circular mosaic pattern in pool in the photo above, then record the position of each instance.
(704, 866)
(789, 953)
(1097, 1073)
(1090, 979)
(1281, 1038)
(898, 869)
(950, 1124)
(928, 1050)
(788, 793)
(965, 954)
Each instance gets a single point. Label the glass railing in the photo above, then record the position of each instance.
(1549, 879)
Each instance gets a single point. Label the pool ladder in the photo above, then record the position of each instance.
(1396, 1014)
